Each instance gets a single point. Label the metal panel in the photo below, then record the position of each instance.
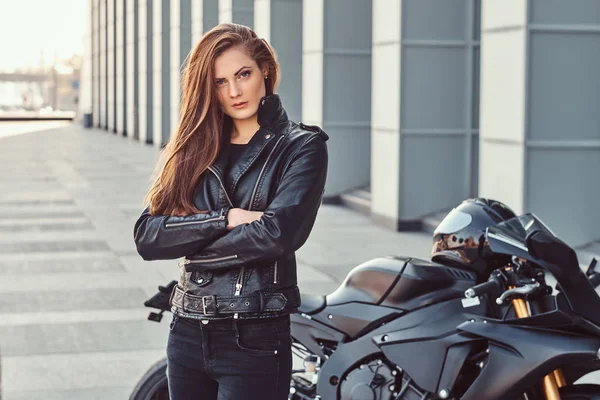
(125, 78)
(165, 69)
(434, 19)
(474, 189)
(433, 85)
(476, 88)
(349, 158)
(431, 174)
(286, 38)
(564, 86)
(210, 14)
(477, 20)
(565, 197)
(347, 88)
(242, 12)
(149, 72)
(565, 12)
(352, 22)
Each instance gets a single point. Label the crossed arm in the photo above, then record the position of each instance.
(249, 236)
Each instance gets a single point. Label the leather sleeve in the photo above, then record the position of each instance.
(168, 237)
(287, 221)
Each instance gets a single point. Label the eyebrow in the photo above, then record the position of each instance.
(238, 71)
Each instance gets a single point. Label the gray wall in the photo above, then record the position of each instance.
(425, 89)
(414, 108)
(540, 122)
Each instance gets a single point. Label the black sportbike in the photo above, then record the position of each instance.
(408, 329)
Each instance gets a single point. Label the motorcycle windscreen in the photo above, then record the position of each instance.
(509, 237)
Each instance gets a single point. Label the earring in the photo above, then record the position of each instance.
(266, 76)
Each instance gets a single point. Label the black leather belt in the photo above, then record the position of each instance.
(214, 305)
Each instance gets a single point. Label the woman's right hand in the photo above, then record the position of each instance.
(239, 216)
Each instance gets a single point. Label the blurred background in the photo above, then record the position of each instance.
(426, 102)
(42, 45)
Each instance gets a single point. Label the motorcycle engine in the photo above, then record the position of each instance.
(376, 380)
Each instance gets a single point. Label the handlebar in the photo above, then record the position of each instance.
(491, 285)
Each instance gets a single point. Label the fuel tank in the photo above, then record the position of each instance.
(401, 282)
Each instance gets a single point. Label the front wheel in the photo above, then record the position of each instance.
(153, 385)
(580, 392)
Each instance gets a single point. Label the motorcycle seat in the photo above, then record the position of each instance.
(311, 304)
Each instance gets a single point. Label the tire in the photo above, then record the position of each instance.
(153, 385)
(580, 392)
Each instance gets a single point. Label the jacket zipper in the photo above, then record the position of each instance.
(261, 173)
(275, 273)
(239, 283)
(222, 185)
(219, 218)
(238, 287)
(186, 262)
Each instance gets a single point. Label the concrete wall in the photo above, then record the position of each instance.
(336, 75)
(132, 70)
(416, 112)
(181, 44)
(161, 82)
(540, 126)
(425, 87)
(280, 23)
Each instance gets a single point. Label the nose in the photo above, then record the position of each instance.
(234, 90)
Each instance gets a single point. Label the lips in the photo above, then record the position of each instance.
(241, 104)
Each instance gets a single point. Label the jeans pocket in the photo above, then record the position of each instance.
(257, 342)
(174, 322)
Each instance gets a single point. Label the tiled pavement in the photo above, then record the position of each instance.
(72, 324)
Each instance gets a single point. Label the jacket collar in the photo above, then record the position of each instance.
(271, 113)
(272, 119)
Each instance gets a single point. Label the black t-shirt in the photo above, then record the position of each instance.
(235, 152)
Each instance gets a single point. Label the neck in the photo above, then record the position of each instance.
(243, 130)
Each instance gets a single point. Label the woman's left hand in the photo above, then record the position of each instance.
(239, 216)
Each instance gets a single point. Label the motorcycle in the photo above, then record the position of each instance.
(408, 329)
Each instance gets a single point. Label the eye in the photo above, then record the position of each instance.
(220, 82)
(245, 74)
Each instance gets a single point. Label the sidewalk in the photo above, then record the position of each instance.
(72, 324)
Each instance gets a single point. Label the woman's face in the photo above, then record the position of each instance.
(240, 84)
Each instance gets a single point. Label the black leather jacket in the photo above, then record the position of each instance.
(250, 271)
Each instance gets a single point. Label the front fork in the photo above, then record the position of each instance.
(554, 380)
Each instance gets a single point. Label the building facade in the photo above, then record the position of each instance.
(426, 102)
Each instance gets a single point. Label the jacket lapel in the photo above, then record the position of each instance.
(271, 118)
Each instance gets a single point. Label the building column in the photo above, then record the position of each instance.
(540, 125)
(145, 67)
(424, 86)
(237, 11)
(111, 64)
(161, 67)
(95, 62)
(120, 69)
(205, 16)
(103, 106)
(336, 95)
(181, 43)
(132, 69)
(280, 23)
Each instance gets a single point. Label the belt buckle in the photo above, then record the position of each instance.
(204, 305)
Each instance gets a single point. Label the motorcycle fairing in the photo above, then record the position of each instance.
(519, 357)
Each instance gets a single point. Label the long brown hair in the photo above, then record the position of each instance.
(195, 144)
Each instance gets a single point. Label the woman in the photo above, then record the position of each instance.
(236, 196)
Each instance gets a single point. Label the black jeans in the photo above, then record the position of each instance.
(229, 359)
